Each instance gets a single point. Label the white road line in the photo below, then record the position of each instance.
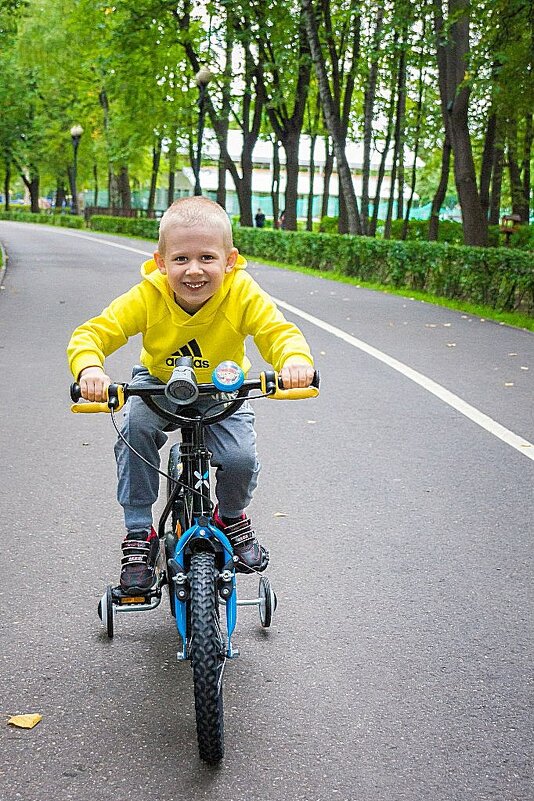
(481, 419)
(492, 426)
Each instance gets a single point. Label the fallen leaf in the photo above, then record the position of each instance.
(451, 344)
(524, 368)
(312, 421)
(508, 383)
(25, 721)
(279, 514)
(512, 354)
(447, 325)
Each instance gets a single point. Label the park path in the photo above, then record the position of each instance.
(399, 662)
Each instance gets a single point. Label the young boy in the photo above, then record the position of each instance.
(195, 297)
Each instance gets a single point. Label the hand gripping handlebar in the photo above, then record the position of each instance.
(269, 383)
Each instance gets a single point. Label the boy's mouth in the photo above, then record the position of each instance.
(196, 285)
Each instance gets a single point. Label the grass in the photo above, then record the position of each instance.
(514, 319)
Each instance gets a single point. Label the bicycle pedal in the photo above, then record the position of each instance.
(120, 598)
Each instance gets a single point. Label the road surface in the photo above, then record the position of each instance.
(398, 511)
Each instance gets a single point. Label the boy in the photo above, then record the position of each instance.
(195, 296)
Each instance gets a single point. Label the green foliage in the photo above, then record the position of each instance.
(502, 278)
(131, 226)
(63, 220)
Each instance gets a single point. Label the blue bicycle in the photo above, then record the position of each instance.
(196, 561)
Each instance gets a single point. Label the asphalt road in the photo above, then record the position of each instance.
(399, 664)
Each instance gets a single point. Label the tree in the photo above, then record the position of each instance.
(453, 49)
(335, 107)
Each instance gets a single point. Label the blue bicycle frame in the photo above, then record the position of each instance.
(206, 532)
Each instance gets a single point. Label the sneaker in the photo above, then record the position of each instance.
(140, 550)
(253, 557)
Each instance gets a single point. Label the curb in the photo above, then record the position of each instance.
(3, 266)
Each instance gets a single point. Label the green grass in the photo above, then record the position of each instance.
(514, 319)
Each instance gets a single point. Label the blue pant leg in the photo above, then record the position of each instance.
(232, 443)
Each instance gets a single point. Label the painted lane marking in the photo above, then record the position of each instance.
(476, 416)
(454, 401)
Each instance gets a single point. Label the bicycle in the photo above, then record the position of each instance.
(196, 561)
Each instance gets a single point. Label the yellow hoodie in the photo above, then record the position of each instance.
(214, 333)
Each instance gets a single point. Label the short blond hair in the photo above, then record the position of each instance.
(196, 211)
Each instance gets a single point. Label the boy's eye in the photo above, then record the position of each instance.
(207, 257)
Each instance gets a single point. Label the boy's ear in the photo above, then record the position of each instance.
(231, 260)
(160, 261)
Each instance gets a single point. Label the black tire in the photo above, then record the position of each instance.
(106, 612)
(207, 658)
(267, 602)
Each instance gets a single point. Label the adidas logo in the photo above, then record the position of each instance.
(192, 349)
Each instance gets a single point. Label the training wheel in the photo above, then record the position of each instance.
(267, 603)
(106, 611)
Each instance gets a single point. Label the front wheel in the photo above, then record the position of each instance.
(207, 657)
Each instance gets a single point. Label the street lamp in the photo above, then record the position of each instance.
(202, 79)
(76, 134)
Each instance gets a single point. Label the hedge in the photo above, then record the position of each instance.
(132, 226)
(448, 231)
(502, 278)
(64, 220)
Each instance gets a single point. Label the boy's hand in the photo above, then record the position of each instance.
(296, 375)
(94, 384)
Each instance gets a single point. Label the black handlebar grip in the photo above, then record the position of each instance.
(75, 392)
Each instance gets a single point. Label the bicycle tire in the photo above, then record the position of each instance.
(207, 658)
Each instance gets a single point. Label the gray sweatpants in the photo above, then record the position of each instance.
(231, 442)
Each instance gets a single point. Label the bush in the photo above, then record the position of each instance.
(502, 278)
(132, 226)
(64, 220)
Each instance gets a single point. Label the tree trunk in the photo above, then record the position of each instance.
(328, 169)
(332, 118)
(61, 195)
(418, 120)
(309, 220)
(400, 132)
(7, 182)
(475, 225)
(382, 165)
(156, 158)
(441, 191)
(397, 141)
(527, 154)
(520, 205)
(487, 162)
(171, 183)
(113, 190)
(496, 182)
(275, 185)
(368, 115)
(95, 190)
(124, 188)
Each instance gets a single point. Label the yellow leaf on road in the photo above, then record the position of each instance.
(25, 721)
(280, 514)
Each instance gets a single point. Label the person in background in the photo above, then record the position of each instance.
(260, 219)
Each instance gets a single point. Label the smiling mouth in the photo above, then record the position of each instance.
(197, 285)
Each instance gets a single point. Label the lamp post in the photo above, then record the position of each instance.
(202, 79)
(76, 134)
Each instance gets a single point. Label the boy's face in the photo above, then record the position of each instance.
(195, 263)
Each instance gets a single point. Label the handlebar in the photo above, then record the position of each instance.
(268, 382)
